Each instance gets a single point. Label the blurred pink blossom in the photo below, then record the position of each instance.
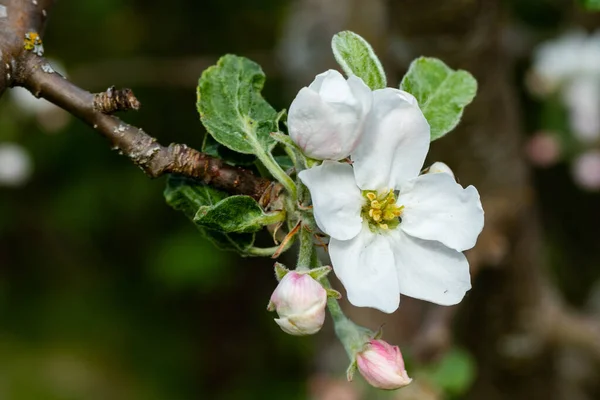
(543, 149)
(586, 170)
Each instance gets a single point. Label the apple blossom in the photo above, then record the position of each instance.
(327, 117)
(571, 64)
(392, 230)
(381, 365)
(574, 54)
(300, 303)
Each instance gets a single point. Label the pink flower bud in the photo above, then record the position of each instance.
(300, 303)
(381, 364)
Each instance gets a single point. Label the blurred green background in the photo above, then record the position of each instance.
(107, 293)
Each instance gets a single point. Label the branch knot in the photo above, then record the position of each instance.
(113, 100)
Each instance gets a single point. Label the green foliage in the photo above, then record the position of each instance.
(232, 108)
(356, 57)
(442, 93)
(240, 214)
(190, 197)
(592, 5)
(211, 147)
(454, 373)
(284, 162)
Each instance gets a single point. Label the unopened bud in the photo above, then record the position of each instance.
(327, 117)
(300, 303)
(439, 167)
(381, 365)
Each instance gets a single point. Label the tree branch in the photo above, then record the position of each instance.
(35, 74)
(20, 19)
(17, 17)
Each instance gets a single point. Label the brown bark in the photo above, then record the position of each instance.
(19, 18)
(21, 67)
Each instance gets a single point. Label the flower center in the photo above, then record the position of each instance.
(380, 209)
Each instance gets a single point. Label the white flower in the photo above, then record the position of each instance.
(573, 54)
(581, 96)
(300, 303)
(327, 117)
(571, 64)
(392, 230)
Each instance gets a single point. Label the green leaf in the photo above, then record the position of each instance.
(238, 242)
(356, 57)
(213, 148)
(232, 108)
(442, 93)
(239, 214)
(593, 5)
(284, 162)
(189, 196)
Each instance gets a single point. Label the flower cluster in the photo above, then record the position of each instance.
(393, 230)
(569, 66)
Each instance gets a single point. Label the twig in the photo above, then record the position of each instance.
(142, 149)
(23, 65)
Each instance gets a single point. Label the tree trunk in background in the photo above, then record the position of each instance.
(495, 322)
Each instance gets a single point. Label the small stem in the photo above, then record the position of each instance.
(268, 251)
(278, 173)
(307, 249)
(292, 157)
(274, 217)
(353, 337)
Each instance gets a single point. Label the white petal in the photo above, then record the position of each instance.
(439, 167)
(327, 118)
(336, 199)
(365, 266)
(332, 87)
(394, 144)
(428, 270)
(438, 208)
(362, 93)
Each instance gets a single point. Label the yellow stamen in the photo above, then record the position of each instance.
(377, 215)
(381, 210)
